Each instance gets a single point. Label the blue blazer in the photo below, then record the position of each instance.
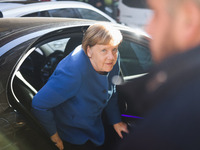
(72, 100)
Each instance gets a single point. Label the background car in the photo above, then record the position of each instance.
(4, 6)
(30, 49)
(64, 9)
(134, 13)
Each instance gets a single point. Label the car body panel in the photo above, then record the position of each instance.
(134, 13)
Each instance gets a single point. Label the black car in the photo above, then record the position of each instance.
(30, 49)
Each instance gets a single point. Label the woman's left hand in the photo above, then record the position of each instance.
(120, 127)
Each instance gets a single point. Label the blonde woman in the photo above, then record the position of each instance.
(70, 104)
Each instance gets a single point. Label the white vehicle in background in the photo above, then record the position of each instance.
(4, 6)
(134, 12)
(63, 9)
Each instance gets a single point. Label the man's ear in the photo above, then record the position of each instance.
(188, 25)
(192, 20)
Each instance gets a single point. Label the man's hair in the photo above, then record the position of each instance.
(101, 33)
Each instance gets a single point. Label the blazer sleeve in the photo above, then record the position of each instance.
(62, 85)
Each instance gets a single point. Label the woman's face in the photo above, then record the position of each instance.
(103, 57)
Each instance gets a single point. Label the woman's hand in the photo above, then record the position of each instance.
(58, 142)
(120, 127)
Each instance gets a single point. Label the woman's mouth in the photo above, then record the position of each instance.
(109, 64)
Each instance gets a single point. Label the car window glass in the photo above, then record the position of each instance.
(134, 58)
(92, 15)
(40, 64)
(38, 14)
(65, 13)
(52, 46)
(135, 3)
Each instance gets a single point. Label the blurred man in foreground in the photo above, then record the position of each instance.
(169, 96)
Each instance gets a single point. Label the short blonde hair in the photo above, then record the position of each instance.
(101, 33)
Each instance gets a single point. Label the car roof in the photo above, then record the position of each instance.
(48, 5)
(11, 26)
(25, 22)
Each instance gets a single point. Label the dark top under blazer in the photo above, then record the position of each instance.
(72, 100)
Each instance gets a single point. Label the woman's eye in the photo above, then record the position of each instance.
(115, 50)
(103, 50)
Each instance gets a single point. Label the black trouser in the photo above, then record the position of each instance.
(87, 146)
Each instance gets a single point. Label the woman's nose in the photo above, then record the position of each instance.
(110, 56)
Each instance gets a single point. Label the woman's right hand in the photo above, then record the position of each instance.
(57, 140)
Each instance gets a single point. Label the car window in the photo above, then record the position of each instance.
(134, 58)
(40, 64)
(65, 13)
(38, 14)
(92, 15)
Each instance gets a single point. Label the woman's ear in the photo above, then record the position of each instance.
(89, 51)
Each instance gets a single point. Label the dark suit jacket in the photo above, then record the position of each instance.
(169, 100)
